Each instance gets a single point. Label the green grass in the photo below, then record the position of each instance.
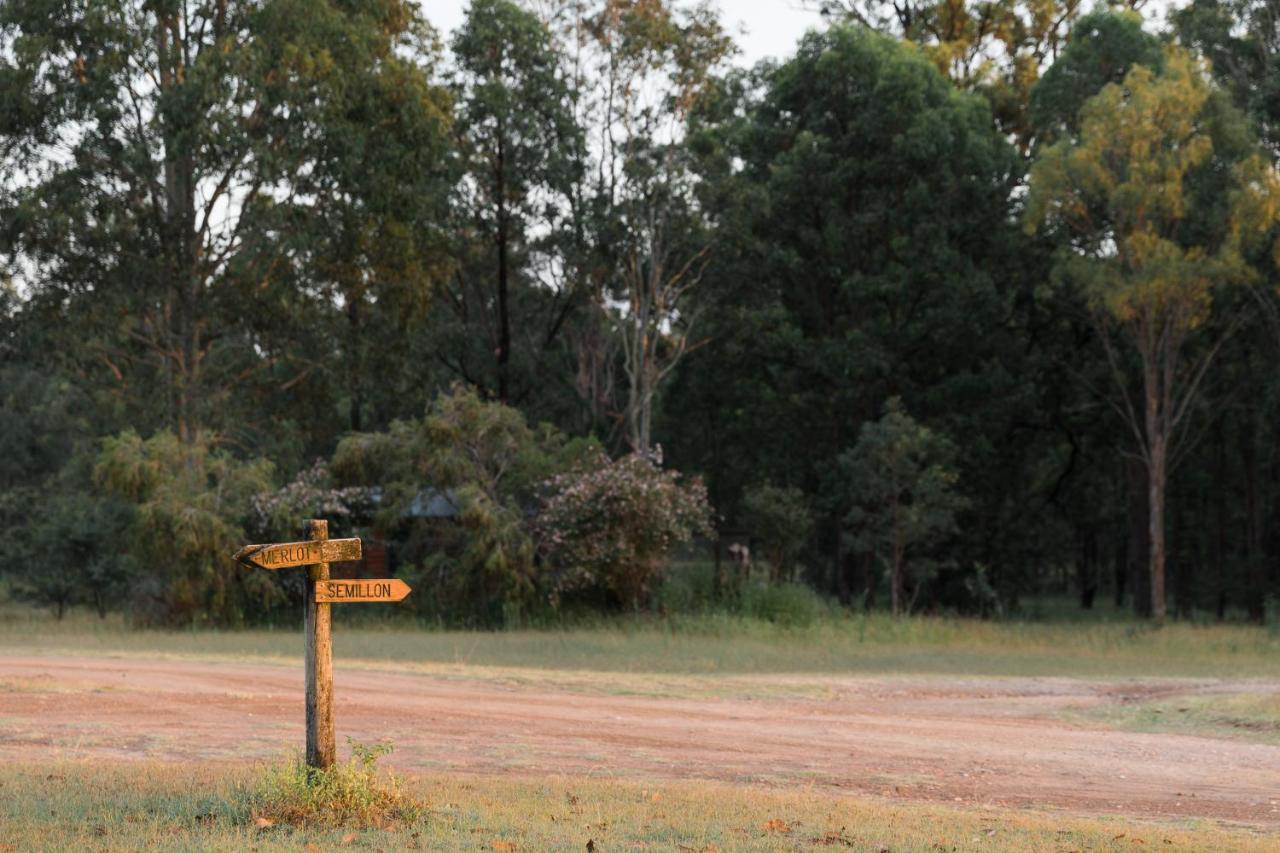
(716, 644)
(1240, 716)
(135, 806)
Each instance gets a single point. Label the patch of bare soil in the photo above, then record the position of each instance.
(969, 741)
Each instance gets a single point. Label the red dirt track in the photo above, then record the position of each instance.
(951, 740)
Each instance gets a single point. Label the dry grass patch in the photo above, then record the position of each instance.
(134, 806)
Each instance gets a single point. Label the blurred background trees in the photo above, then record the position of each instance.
(482, 299)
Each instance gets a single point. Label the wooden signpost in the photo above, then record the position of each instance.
(316, 553)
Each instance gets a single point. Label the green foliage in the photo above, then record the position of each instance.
(866, 248)
(350, 793)
(1157, 202)
(1104, 45)
(190, 504)
(790, 605)
(997, 48)
(72, 549)
(610, 524)
(482, 459)
(275, 221)
(901, 485)
(781, 521)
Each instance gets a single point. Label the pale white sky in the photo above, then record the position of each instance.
(762, 28)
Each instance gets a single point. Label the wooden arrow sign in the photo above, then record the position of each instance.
(286, 554)
(340, 592)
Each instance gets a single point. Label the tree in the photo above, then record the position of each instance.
(1154, 216)
(901, 485)
(483, 461)
(780, 520)
(1104, 45)
(639, 68)
(520, 148)
(190, 503)
(360, 173)
(154, 149)
(995, 48)
(863, 207)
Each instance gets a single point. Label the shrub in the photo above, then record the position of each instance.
(350, 793)
(792, 605)
(610, 524)
(191, 502)
(282, 513)
(476, 567)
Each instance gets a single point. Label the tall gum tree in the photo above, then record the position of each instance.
(521, 152)
(1154, 219)
(144, 146)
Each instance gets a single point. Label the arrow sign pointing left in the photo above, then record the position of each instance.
(286, 554)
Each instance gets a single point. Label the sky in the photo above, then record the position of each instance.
(762, 28)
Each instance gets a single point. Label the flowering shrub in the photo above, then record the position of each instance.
(311, 494)
(609, 524)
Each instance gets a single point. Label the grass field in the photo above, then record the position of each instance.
(709, 645)
(1244, 716)
(133, 806)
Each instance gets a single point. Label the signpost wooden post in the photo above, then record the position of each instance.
(316, 553)
(318, 636)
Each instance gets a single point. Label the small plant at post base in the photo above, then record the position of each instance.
(351, 793)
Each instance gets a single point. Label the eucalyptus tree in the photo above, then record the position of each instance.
(521, 153)
(996, 47)
(157, 159)
(1156, 198)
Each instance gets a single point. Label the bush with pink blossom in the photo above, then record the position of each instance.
(609, 525)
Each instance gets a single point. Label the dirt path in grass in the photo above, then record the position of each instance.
(951, 740)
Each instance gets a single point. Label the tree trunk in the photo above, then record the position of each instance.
(1139, 541)
(504, 310)
(837, 561)
(1155, 527)
(1119, 569)
(895, 587)
(1220, 518)
(355, 362)
(1254, 561)
(1087, 569)
(182, 349)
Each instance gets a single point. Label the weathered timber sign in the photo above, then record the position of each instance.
(316, 553)
(338, 592)
(287, 554)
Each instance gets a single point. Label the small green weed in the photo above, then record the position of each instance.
(350, 793)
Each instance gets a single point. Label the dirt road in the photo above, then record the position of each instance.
(951, 740)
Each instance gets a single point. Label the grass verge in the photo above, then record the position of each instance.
(132, 806)
(716, 644)
(1238, 716)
